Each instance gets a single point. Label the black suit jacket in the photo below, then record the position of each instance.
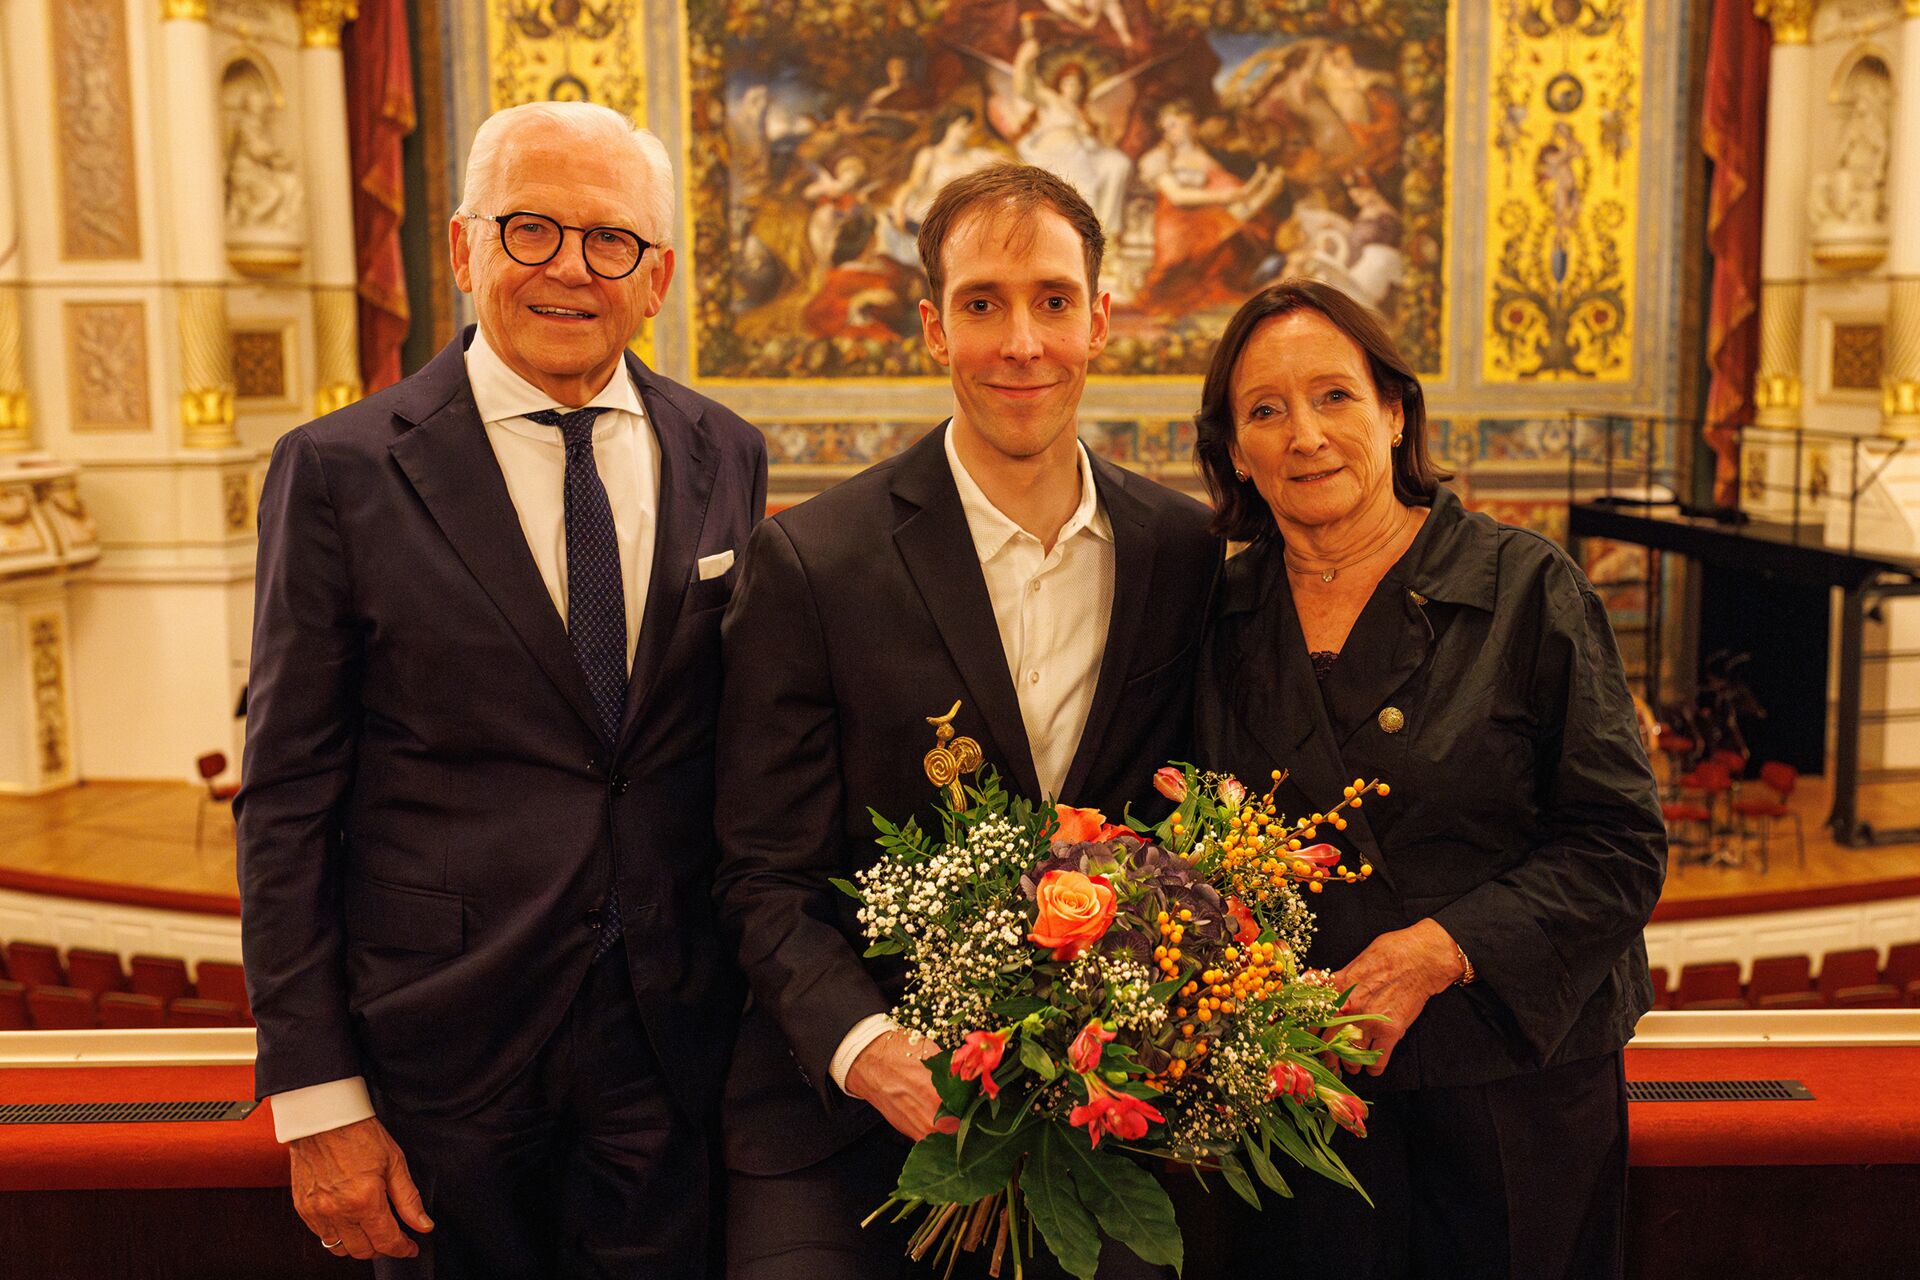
(429, 813)
(859, 614)
(1522, 814)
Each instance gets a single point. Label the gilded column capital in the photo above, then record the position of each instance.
(320, 22)
(1792, 20)
(184, 10)
(1910, 8)
(206, 359)
(16, 420)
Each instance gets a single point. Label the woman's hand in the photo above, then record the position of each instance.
(1396, 975)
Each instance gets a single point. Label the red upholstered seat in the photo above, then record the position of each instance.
(131, 1009)
(1791, 1000)
(1695, 1006)
(162, 977)
(1913, 993)
(1684, 811)
(1903, 965)
(13, 1007)
(1872, 995)
(35, 964)
(1716, 981)
(218, 980)
(61, 1008)
(190, 1012)
(1778, 975)
(1856, 967)
(1662, 989)
(95, 971)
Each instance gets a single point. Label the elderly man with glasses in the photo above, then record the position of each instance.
(475, 830)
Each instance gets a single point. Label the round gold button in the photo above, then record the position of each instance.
(1391, 720)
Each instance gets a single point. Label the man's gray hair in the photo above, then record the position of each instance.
(594, 125)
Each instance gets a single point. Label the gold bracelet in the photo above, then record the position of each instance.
(1467, 975)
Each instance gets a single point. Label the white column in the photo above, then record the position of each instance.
(1900, 385)
(16, 434)
(336, 274)
(1783, 242)
(196, 247)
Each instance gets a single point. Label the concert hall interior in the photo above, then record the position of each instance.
(1655, 265)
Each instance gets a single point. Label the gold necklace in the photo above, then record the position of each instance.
(1329, 574)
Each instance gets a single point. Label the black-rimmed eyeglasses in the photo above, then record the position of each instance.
(534, 239)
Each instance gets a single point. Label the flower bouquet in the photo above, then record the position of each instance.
(1113, 998)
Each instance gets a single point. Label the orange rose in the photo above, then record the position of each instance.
(1075, 912)
(1077, 826)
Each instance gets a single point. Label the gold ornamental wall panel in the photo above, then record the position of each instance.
(99, 197)
(107, 366)
(1562, 185)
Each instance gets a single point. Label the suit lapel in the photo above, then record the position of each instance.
(686, 491)
(937, 547)
(447, 459)
(1133, 552)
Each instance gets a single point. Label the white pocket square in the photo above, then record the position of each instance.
(713, 566)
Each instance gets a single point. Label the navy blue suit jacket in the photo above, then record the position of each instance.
(429, 815)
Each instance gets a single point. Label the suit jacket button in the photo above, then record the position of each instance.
(594, 918)
(1391, 720)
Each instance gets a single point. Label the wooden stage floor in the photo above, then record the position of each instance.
(142, 833)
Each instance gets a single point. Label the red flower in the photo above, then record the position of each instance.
(1171, 783)
(1320, 855)
(1075, 912)
(1109, 1111)
(1290, 1079)
(1247, 929)
(1084, 1052)
(1076, 826)
(979, 1056)
(1348, 1111)
(1232, 792)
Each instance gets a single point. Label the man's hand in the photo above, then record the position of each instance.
(1396, 975)
(343, 1180)
(891, 1076)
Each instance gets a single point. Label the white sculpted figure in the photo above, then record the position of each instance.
(263, 186)
(1854, 192)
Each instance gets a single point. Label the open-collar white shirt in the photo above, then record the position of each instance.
(1052, 607)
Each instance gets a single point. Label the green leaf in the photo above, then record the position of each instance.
(847, 887)
(935, 1173)
(1053, 1201)
(1131, 1206)
(884, 947)
(1014, 1008)
(1038, 1059)
(1236, 1175)
(955, 1094)
(1263, 1166)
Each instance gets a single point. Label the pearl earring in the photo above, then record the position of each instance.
(1396, 442)
(1239, 475)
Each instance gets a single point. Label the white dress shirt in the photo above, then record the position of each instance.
(1053, 608)
(533, 459)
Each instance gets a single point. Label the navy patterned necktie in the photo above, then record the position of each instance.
(596, 596)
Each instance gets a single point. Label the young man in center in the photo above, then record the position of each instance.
(994, 563)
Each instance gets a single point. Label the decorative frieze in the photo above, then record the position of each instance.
(107, 366)
(99, 199)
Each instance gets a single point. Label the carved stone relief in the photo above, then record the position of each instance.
(260, 364)
(263, 21)
(107, 366)
(236, 500)
(99, 210)
(1848, 202)
(264, 195)
(49, 693)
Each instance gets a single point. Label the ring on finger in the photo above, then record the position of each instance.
(333, 1244)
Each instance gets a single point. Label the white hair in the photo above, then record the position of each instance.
(595, 126)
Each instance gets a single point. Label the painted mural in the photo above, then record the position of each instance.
(1563, 178)
(1223, 144)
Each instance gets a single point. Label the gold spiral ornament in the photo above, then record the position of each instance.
(951, 759)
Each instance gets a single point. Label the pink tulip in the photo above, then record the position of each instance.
(1290, 1079)
(1084, 1053)
(977, 1058)
(1232, 792)
(1171, 783)
(1320, 855)
(1348, 1111)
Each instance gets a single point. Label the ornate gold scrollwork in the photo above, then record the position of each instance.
(1791, 20)
(320, 22)
(951, 759)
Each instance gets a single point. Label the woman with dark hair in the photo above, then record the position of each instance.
(1374, 628)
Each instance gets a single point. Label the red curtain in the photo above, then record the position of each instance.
(1733, 133)
(379, 116)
